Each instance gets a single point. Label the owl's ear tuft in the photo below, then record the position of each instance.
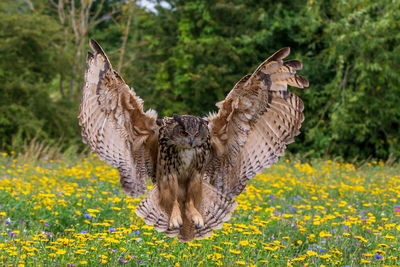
(178, 119)
(159, 122)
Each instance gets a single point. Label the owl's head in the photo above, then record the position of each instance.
(185, 131)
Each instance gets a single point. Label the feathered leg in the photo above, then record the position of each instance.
(169, 200)
(194, 200)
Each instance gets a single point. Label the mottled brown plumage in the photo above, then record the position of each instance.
(197, 165)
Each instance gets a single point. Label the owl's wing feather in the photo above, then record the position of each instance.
(114, 124)
(255, 122)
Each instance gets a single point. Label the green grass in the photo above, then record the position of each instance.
(322, 213)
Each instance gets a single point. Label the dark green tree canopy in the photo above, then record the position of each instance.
(186, 57)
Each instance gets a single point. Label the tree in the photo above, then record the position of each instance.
(27, 67)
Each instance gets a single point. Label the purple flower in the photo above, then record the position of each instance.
(46, 224)
(83, 232)
(113, 250)
(124, 261)
(88, 216)
(137, 232)
(112, 230)
(132, 256)
(378, 257)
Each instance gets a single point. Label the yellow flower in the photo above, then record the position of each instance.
(93, 211)
(326, 256)
(361, 238)
(243, 243)
(390, 237)
(61, 251)
(299, 259)
(311, 253)
(324, 234)
(233, 251)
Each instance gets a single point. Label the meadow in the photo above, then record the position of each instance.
(321, 213)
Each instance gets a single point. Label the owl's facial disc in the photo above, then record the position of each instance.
(189, 132)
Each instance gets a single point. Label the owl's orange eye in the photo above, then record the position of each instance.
(197, 134)
(182, 133)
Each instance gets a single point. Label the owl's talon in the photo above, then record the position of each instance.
(198, 221)
(175, 221)
(194, 215)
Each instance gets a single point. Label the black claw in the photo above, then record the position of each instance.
(177, 228)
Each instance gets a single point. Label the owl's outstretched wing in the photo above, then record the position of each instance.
(255, 122)
(114, 124)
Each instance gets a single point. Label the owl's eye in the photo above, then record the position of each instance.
(182, 133)
(197, 134)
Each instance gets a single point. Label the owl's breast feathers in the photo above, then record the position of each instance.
(181, 161)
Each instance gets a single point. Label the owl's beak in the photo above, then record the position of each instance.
(191, 141)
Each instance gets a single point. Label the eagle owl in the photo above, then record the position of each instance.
(197, 165)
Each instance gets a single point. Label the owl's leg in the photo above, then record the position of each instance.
(169, 200)
(193, 200)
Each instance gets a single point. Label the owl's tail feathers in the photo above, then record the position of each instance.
(216, 208)
(151, 212)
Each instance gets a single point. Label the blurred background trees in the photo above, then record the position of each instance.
(184, 56)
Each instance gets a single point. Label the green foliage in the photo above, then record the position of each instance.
(357, 56)
(29, 63)
(185, 58)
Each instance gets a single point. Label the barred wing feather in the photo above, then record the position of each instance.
(114, 124)
(255, 122)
